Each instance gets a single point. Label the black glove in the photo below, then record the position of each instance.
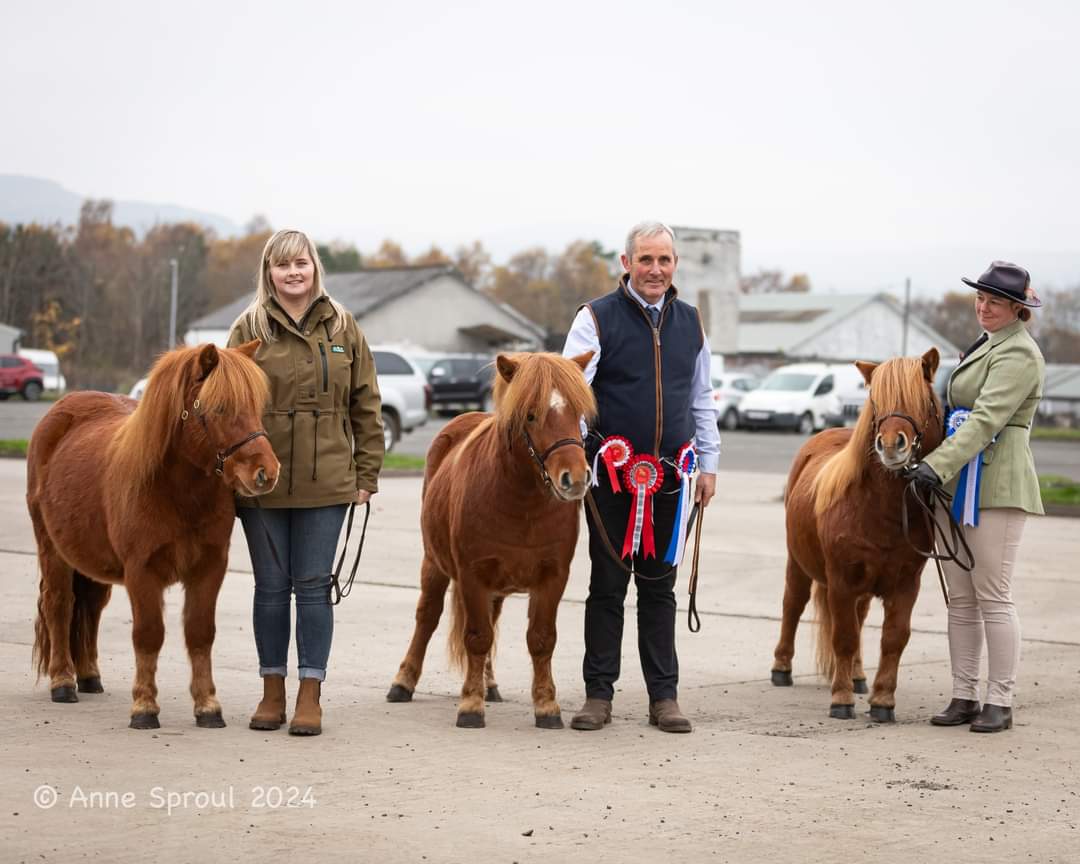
(923, 475)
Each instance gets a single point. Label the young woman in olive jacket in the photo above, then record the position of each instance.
(324, 422)
(1000, 381)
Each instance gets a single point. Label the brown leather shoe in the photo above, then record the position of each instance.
(594, 714)
(307, 718)
(666, 714)
(957, 713)
(270, 714)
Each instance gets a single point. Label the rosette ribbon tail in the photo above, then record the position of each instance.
(636, 524)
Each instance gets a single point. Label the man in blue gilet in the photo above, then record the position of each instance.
(656, 424)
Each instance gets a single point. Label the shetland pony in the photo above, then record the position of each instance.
(141, 495)
(500, 516)
(845, 536)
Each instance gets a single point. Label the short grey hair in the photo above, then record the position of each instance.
(647, 229)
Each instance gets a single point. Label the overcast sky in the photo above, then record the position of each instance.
(860, 142)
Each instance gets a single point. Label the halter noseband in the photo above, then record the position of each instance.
(222, 455)
(541, 458)
(916, 442)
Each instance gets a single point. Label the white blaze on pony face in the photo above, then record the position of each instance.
(558, 401)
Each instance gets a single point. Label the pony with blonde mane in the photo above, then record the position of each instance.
(141, 495)
(499, 516)
(845, 537)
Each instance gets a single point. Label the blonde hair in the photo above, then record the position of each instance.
(285, 245)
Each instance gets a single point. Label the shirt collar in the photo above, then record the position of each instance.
(657, 306)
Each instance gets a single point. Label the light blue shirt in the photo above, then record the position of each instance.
(583, 337)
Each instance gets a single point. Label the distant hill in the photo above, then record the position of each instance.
(32, 199)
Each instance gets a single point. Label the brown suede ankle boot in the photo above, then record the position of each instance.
(271, 711)
(307, 718)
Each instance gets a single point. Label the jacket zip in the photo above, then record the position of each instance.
(658, 367)
(325, 370)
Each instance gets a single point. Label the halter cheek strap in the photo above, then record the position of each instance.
(541, 458)
(222, 455)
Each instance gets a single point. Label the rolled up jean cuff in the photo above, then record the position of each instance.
(283, 671)
(309, 672)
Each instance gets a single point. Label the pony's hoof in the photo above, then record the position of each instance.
(858, 685)
(882, 714)
(64, 694)
(211, 720)
(781, 678)
(144, 721)
(549, 721)
(493, 694)
(470, 720)
(399, 694)
(91, 685)
(842, 712)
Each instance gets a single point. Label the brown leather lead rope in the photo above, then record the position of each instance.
(693, 619)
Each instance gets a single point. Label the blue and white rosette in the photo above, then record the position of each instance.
(965, 506)
(685, 468)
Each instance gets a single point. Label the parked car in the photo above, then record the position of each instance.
(19, 376)
(728, 392)
(49, 364)
(797, 397)
(406, 394)
(462, 381)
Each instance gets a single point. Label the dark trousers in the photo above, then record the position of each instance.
(607, 594)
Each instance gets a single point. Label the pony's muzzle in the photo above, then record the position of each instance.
(570, 489)
(893, 455)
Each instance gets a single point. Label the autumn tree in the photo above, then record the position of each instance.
(232, 267)
(474, 263)
(340, 257)
(773, 282)
(389, 254)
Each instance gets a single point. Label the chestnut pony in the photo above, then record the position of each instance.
(845, 536)
(141, 495)
(500, 516)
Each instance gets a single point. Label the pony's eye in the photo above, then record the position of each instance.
(531, 417)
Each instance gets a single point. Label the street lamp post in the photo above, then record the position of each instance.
(174, 265)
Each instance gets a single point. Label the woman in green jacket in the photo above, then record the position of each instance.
(985, 462)
(325, 426)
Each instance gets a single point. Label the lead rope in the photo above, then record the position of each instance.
(953, 544)
(693, 617)
(335, 577)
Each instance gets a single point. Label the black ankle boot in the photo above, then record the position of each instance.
(993, 718)
(959, 712)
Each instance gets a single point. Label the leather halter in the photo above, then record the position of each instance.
(541, 458)
(222, 454)
(916, 442)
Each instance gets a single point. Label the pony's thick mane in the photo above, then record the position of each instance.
(897, 385)
(235, 386)
(537, 376)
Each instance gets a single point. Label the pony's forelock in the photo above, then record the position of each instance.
(536, 377)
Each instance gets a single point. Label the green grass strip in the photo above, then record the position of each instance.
(1059, 490)
(401, 462)
(13, 448)
(1050, 433)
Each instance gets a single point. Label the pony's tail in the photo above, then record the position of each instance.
(455, 639)
(42, 642)
(823, 634)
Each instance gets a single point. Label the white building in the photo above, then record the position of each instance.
(433, 307)
(708, 278)
(788, 326)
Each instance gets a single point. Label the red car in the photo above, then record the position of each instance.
(19, 375)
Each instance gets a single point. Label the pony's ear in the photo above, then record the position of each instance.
(249, 348)
(582, 360)
(208, 359)
(930, 361)
(506, 367)
(867, 369)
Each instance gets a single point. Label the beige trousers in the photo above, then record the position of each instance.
(980, 602)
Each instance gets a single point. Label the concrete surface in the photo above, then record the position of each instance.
(765, 777)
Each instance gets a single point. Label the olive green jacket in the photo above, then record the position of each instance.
(324, 417)
(1002, 383)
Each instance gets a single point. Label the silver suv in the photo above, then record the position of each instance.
(406, 394)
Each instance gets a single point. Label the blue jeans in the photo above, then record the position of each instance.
(305, 539)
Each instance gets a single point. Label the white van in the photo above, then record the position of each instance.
(798, 397)
(49, 363)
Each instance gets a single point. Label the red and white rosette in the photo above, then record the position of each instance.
(643, 476)
(615, 451)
